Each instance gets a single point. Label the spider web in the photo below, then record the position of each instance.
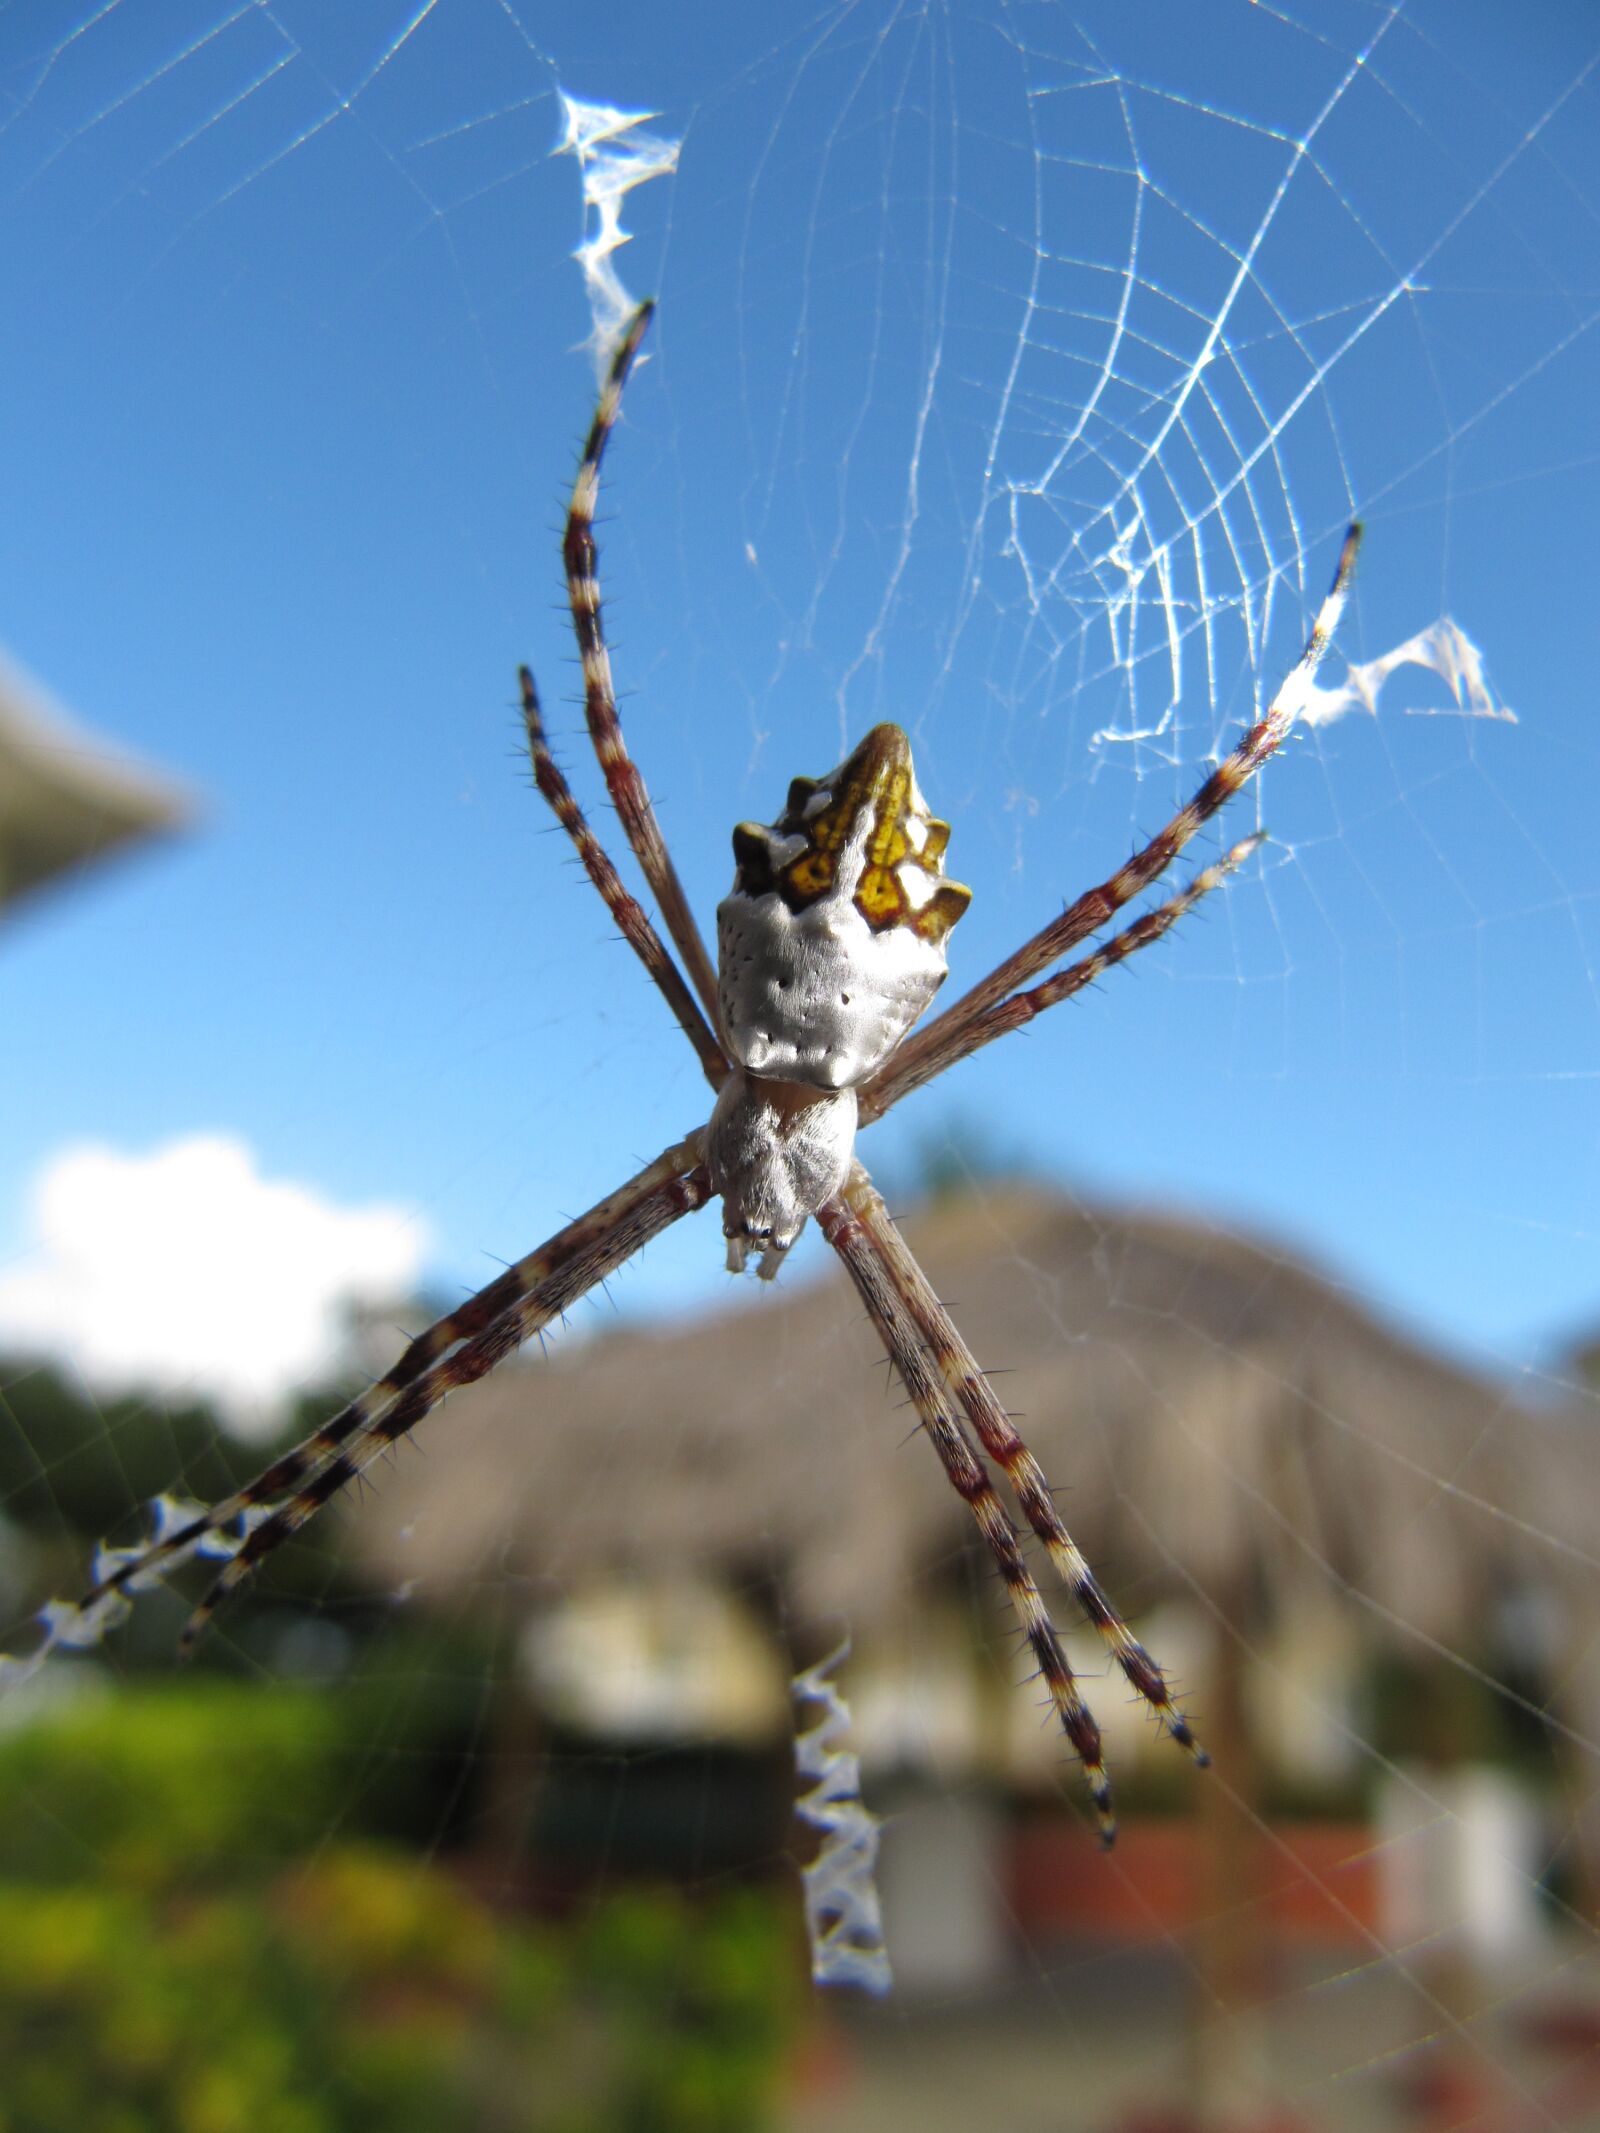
(1016, 374)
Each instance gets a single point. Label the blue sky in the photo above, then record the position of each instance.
(1000, 352)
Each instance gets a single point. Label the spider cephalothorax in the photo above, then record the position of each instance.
(830, 944)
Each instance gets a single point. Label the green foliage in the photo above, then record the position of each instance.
(175, 1784)
(193, 1937)
(232, 2011)
(365, 1990)
(695, 2004)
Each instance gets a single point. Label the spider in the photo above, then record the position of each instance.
(831, 943)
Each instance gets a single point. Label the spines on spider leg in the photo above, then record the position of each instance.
(1032, 1491)
(1078, 1722)
(1235, 770)
(1231, 775)
(844, 1230)
(624, 781)
(176, 1543)
(942, 1039)
(607, 1247)
(963, 1378)
(961, 1373)
(632, 919)
(336, 1472)
(895, 1080)
(292, 1468)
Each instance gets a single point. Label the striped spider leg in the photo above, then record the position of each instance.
(919, 1371)
(830, 945)
(916, 1331)
(469, 1341)
(632, 920)
(832, 942)
(464, 1345)
(623, 780)
(976, 1018)
(971, 1389)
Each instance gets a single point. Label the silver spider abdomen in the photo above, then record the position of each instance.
(830, 945)
(832, 940)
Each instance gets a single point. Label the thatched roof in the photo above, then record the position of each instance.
(1215, 1418)
(65, 801)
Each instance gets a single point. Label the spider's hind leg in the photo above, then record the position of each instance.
(974, 1394)
(462, 1346)
(918, 1368)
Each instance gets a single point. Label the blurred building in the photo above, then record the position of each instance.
(1284, 1493)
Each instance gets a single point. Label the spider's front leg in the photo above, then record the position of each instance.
(623, 779)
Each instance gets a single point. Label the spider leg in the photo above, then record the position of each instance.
(841, 1223)
(460, 1347)
(893, 1080)
(622, 775)
(944, 1040)
(962, 1376)
(629, 913)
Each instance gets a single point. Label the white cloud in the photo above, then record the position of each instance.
(185, 1269)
